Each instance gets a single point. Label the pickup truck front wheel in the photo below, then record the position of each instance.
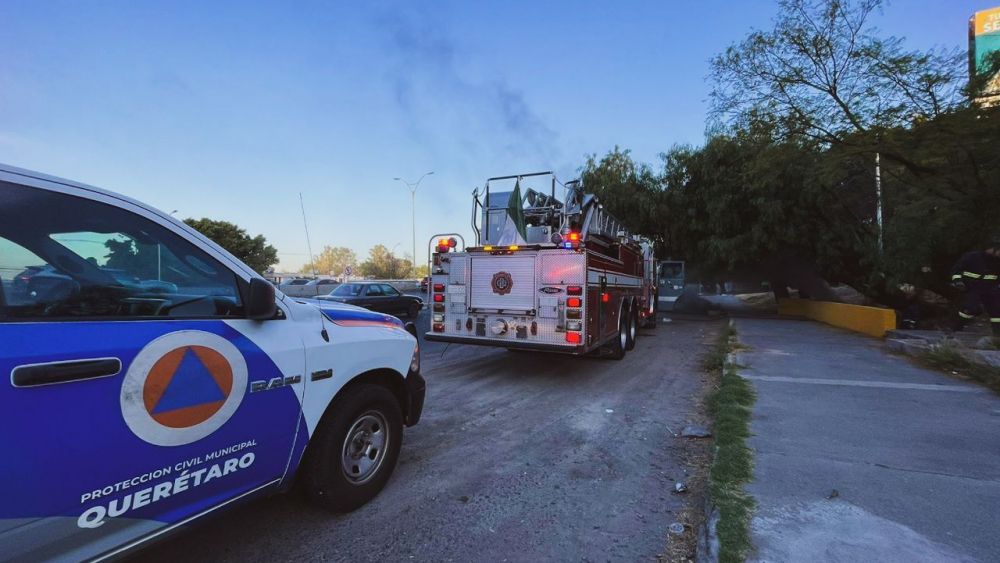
(355, 449)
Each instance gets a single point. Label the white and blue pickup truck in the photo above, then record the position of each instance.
(151, 378)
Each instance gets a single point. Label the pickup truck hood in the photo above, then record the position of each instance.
(343, 313)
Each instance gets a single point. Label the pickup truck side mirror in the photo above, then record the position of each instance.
(260, 303)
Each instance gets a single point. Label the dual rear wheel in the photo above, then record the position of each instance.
(628, 330)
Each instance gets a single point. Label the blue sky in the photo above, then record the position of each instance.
(230, 109)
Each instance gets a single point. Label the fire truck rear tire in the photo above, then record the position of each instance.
(650, 321)
(619, 344)
(633, 328)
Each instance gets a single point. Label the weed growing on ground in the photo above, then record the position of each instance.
(948, 358)
(731, 406)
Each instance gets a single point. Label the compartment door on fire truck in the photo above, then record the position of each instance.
(127, 405)
(503, 283)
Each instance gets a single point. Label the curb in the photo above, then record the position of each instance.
(916, 346)
(707, 550)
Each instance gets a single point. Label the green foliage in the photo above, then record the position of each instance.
(253, 251)
(630, 191)
(947, 358)
(731, 407)
(785, 187)
(823, 72)
(948, 203)
(383, 264)
(332, 261)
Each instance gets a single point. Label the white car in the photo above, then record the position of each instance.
(127, 412)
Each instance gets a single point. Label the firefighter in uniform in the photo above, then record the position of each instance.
(977, 274)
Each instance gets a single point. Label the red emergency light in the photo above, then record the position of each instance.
(574, 337)
(439, 287)
(574, 302)
(438, 298)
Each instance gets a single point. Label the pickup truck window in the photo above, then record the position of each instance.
(74, 258)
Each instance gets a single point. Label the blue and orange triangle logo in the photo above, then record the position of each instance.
(187, 386)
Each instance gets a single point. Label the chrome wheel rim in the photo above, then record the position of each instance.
(365, 447)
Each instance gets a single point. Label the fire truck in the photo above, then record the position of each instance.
(544, 274)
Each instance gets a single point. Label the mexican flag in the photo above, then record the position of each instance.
(512, 231)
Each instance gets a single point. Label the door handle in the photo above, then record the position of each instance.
(61, 372)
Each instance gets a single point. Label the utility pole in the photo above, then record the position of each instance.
(309, 247)
(413, 210)
(878, 202)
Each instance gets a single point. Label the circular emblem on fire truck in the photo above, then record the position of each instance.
(502, 283)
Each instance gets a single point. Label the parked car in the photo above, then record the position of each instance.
(21, 280)
(376, 296)
(128, 412)
(293, 287)
(308, 288)
(322, 286)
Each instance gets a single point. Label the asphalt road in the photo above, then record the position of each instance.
(519, 456)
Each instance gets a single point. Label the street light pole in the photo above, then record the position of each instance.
(413, 210)
(878, 202)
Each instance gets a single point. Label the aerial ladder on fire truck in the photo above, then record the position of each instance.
(545, 274)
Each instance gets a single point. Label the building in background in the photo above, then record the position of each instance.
(984, 39)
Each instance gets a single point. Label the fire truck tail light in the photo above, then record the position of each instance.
(574, 325)
(573, 337)
(438, 327)
(574, 290)
(439, 318)
(574, 302)
(439, 287)
(605, 297)
(573, 314)
(439, 307)
(439, 298)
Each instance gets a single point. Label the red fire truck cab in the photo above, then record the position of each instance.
(545, 274)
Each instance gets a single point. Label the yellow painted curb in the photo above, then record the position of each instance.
(872, 321)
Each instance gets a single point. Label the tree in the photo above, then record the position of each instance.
(126, 254)
(822, 72)
(253, 251)
(822, 77)
(383, 264)
(332, 260)
(630, 191)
